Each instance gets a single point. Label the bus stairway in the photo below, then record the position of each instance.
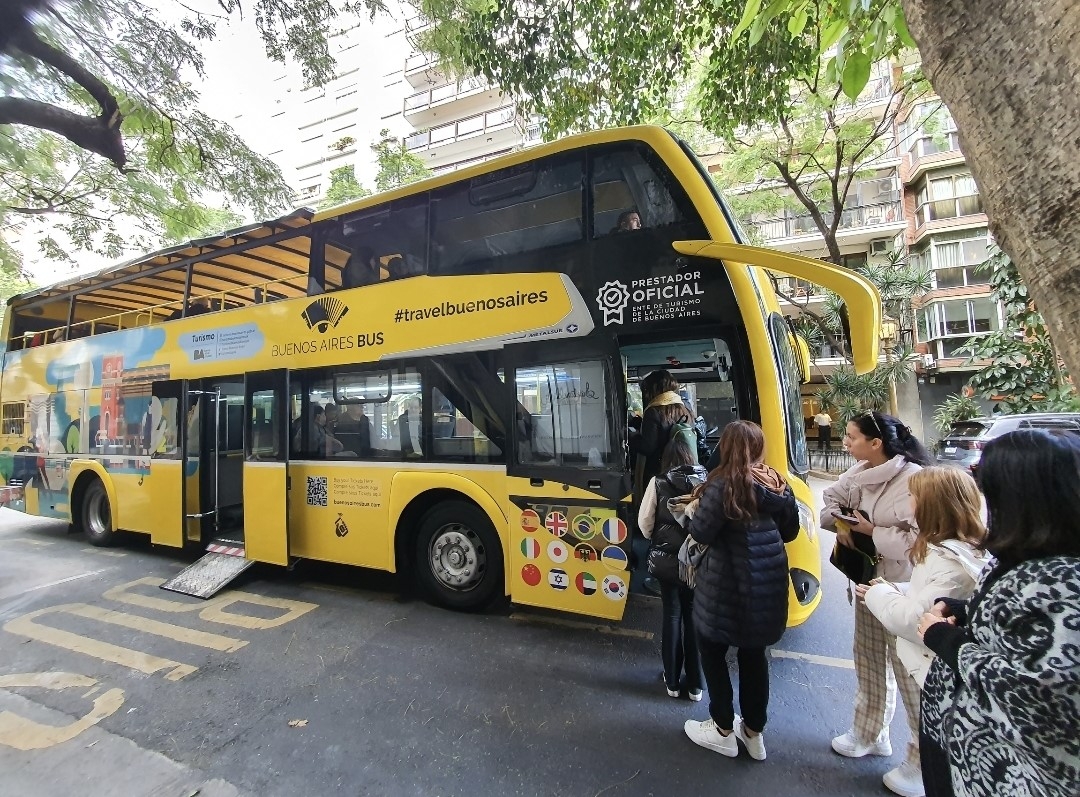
(223, 562)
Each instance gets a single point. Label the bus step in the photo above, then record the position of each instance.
(209, 575)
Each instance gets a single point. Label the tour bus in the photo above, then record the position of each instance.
(435, 380)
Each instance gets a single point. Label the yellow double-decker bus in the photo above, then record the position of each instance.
(436, 379)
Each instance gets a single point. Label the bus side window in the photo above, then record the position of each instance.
(625, 184)
(387, 241)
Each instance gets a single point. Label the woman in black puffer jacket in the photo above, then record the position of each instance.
(664, 408)
(745, 515)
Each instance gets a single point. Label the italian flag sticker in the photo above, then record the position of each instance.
(585, 583)
(530, 548)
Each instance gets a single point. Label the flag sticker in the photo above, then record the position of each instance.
(614, 588)
(556, 524)
(558, 579)
(530, 548)
(584, 527)
(530, 521)
(585, 553)
(530, 574)
(585, 583)
(614, 557)
(557, 551)
(614, 530)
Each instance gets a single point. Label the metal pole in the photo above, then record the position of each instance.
(217, 461)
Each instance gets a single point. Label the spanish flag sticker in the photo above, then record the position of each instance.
(530, 521)
(530, 548)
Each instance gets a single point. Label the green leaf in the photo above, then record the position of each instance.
(750, 13)
(856, 74)
(797, 23)
(902, 31)
(832, 33)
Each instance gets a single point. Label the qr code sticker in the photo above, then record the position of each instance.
(316, 490)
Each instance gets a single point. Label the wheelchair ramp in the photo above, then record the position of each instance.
(223, 562)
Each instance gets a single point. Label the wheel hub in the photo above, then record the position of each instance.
(457, 557)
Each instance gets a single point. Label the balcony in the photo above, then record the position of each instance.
(466, 138)
(468, 97)
(928, 153)
(858, 225)
(422, 70)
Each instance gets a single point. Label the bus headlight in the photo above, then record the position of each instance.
(808, 520)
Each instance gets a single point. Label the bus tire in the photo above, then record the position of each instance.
(95, 515)
(459, 563)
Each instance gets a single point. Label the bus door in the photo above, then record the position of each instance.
(162, 442)
(570, 520)
(265, 471)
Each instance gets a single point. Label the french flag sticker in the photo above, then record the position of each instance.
(614, 530)
(614, 588)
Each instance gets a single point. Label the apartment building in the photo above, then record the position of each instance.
(917, 195)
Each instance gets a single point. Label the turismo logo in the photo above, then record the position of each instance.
(324, 313)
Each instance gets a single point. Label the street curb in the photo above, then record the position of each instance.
(820, 474)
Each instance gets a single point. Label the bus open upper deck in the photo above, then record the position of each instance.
(461, 412)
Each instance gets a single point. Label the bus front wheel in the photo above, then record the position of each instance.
(458, 557)
(95, 515)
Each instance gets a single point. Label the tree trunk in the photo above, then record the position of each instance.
(1008, 71)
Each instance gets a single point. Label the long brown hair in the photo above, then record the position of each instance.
(742, 446)
(948, 506)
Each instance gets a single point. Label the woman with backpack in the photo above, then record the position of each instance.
(745, 514)
(678, 644)
(664, 409)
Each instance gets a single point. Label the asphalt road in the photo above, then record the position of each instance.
(328, 681)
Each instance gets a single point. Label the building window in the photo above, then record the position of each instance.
(928, 133)
(14, 418)
(953, 322)
(947, 197)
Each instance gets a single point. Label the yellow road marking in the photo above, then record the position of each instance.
(213, 610)
(24, 734)
(581, 625)
(828, 661)
(179, 633)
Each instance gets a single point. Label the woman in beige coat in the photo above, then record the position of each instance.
(946, 558)
(875, 489)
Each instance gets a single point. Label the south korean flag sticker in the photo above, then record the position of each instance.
(614, 588)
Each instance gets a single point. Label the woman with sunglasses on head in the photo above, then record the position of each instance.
(872, 498)
(1001, 702)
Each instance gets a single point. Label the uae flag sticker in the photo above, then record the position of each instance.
(614, 588)
(558, 579)
(558, 551)
(614, 530)
(585, 583)
(556, 524)
(530, 548)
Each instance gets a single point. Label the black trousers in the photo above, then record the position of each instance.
(824, 437)
(753, 684)
(936, 775)
(678, 642)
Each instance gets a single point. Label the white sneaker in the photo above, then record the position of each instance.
(905, 780)
(850, 745)
(671, 692)
(755, 745)
(708, 735)
(695, 695)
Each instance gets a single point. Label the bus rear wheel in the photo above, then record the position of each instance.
(95, 515)
(459, 562)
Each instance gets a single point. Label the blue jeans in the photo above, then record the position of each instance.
(678, 642)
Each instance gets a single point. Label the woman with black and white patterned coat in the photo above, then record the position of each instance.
(1001, 703)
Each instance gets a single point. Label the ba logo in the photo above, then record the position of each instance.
(324, 313)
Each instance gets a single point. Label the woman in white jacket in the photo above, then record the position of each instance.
(946, 558)
(876, 489)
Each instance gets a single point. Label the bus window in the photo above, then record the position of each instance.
(385, 242)
(563, 413)
(512, 211)
(788, 366)
(466, 421)
(628, 194)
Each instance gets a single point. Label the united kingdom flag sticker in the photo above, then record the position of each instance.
(614, 588)
(614, 530)
(556, 523)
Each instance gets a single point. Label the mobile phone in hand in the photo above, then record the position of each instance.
(846, 514)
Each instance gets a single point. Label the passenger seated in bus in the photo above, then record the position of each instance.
(404, 266)
(409, 431)
(362, 268)
(628, 220)
(197, 306)
(354, 431)
(323, 442)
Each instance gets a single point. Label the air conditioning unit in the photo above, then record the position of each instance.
(881, 246)
(928, 362)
